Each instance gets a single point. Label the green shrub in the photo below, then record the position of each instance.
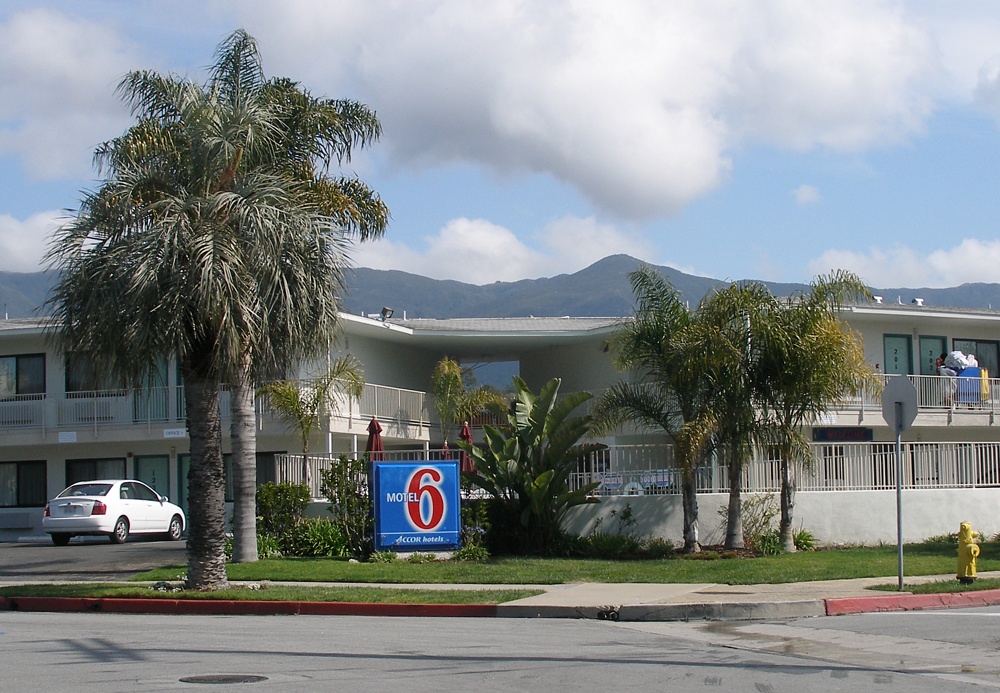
(804, 540)
(768, 544)
(345, 483)
(658, 548)
(314, 537)
(475, 522)
(421, 558)
(471, 552)
(382, 557)
(267, 547)
(281, 506)
(605, 545)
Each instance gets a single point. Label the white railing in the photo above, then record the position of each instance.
(394, 404)
(291, 468)
(23, 411)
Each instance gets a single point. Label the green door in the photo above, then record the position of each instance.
(154, 471)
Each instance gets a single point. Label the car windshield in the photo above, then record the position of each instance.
(86, 490)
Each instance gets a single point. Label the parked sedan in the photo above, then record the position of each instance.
(116, 508)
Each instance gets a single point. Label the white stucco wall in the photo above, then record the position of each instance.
(843, 517)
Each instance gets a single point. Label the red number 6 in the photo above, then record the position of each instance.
(416, 490)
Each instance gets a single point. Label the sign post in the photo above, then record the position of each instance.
(899, 409)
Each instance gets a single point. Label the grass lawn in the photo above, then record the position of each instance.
(943, 586)
(366, 595)
(832, 564)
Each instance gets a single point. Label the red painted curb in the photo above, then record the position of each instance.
(234, 608)
(910, 602)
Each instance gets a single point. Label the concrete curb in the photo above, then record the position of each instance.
(910, 602)
(222, 607)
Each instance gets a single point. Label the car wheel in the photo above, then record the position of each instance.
(121, 531)
(61, 538)
(175, 529)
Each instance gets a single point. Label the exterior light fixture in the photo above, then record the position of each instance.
(385, 314)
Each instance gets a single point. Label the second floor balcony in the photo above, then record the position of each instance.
(404, 413)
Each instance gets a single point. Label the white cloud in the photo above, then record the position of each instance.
(972, 260)
(636, 104)
(22, 243)
(57, 80)
(807, 195)
(476, 251)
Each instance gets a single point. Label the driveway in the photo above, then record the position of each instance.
(86, 559)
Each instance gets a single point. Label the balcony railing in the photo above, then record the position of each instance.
(641, 470)
(397, 408)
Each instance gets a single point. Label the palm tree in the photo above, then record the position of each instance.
(668, 393)
(312, 134)
(806, 371)
(452, 401)
(186, 251)
(300, 404)
(736, 325)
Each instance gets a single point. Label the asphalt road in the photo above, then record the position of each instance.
(108, 652)
(90, 559)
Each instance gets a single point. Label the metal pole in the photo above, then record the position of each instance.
(899, 492)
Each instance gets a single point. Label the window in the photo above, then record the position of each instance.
(985, 351)
(88, 470)
(22, 484)
(81, 377)
(22, 375)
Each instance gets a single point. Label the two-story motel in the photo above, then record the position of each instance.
(58, 426)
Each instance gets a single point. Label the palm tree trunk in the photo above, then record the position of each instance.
(206, 486)
(786, 535)
(734, 523)
(689, 494)
(244, 444)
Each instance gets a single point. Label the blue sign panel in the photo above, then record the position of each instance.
(417, 505)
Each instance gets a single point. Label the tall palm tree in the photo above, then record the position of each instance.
(667, 392)
(312, 134)
(186, 251)
(736, 325)
(807, 370)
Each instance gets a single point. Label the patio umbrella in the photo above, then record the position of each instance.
(374, 444)
(466, 465)
(445, 452)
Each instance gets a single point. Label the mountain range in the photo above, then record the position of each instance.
(601, 289)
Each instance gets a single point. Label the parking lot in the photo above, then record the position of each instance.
(92, 559)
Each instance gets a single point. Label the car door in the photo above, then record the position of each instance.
(131, 507)
(156, 515)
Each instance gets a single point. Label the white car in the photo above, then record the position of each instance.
(114, 507)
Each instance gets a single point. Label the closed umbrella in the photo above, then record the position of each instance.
(374, 445)
(466, 465)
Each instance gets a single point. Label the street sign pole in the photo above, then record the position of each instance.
(899, 409)
(899, 492)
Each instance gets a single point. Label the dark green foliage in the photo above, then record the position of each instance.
(475, 522)
(314, 537)
(804, 540)
(525, 464)
(345, 483)
(280, 507)
(471, 552)
(267, 547)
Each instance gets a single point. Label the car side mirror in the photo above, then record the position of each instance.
(164, 499)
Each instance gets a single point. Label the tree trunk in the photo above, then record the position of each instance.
(689, 494)
(786, 535)
(244, 443)
(734, 524)
(206, 487)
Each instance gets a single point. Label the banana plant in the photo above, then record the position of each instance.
(527, 462)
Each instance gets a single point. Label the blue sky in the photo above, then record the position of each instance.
(777, 139)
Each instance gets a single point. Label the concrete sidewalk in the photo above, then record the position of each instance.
(616, 602)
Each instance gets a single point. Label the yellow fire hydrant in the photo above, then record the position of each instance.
(968, 551)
